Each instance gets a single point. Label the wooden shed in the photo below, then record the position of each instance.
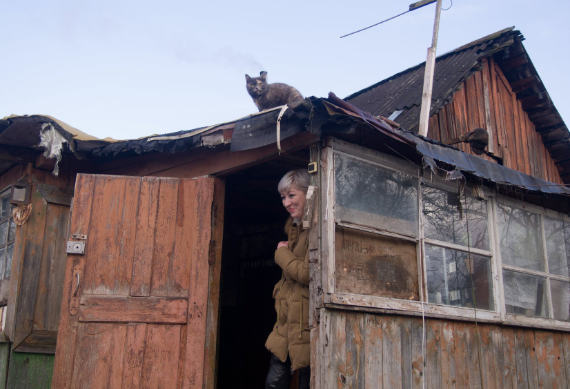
(430, 266)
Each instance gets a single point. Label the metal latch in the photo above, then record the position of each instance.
(77, 245)
(312, 168)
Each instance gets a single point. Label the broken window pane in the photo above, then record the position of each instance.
(448, 218)
(9, 255)
(560, 292)
(520, 237)
(525, 294)
(371, 195)
(556, 246)
(457, 278)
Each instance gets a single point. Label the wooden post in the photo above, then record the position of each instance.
(428, 75)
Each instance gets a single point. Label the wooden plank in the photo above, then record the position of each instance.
(200, 214)
(164, 243)
(126, 238)
(373, 352)
(30, 270)
(447, 345)
(549, 354)
(4, 358)
(133, 309)
(391, 355)
(28, 370)
(336, 374)
(433, 354)
(144, 246)
(98, 356)
(67, 332)
(566, 346)
(101, 248)
(509, 370)
(406, 347)
(215, 259)
(52, 269)
(161, 357)
(374, 265)
(355, 350)
(135, 343)
(461, 347)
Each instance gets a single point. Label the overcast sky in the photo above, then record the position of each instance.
(127, 69)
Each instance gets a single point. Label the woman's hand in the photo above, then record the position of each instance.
(283, 244)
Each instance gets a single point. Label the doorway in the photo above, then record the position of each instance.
(253, 224)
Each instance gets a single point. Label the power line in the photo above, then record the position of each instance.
(375, 24)
(412, 7)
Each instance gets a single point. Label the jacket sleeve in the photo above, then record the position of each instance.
(293, 267)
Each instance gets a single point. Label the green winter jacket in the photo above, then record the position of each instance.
(290, 335)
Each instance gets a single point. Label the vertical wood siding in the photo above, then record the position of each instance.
(382, 351)
(137, 305)
(513, 135)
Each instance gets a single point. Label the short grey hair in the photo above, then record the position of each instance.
(298, 178)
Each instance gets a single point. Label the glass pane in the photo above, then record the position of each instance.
(2, 262)
(12, 231)
(525, 294)
(448, 218)
(370, 195)
(560, 292)
(5, 205)
(3, 232)
(556, 246)
(9, 255)
(520, 238)
(454, 279)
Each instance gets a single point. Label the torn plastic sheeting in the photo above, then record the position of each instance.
(52, 142)
(486, 170)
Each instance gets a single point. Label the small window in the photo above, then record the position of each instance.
(7, 235)
(535, 255)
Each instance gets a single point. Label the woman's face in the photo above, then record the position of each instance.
(294, 202)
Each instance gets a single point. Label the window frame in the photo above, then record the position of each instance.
(337, 299)
(6, 192)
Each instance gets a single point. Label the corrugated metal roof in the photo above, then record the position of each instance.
(403, 90)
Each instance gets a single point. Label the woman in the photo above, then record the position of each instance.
(289, 340)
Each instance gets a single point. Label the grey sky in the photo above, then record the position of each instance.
(127, 69)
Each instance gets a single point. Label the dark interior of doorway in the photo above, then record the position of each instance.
(253, 224)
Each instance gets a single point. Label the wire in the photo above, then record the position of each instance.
(375, 24)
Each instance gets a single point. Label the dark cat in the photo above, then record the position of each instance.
(267, 96)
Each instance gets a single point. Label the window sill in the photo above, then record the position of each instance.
(374, 304)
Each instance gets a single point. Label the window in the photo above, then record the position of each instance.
(401, 241)
(456, 249)
(7, 235)
(535, 255)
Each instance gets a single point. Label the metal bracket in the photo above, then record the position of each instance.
(76, 247)
(312, 168)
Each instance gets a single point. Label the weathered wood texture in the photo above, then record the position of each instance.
(375, 265)
(4, 358)
(384, 351)
(136, 306)
(38, 267)
(487, 100)
(30, 371)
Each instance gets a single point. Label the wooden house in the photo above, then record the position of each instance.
(430, 266)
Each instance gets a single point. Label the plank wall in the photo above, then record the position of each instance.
(486, 100)
(381, 351)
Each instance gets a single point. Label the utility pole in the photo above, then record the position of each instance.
(430, 65)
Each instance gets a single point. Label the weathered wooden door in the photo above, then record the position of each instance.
(139, 307)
